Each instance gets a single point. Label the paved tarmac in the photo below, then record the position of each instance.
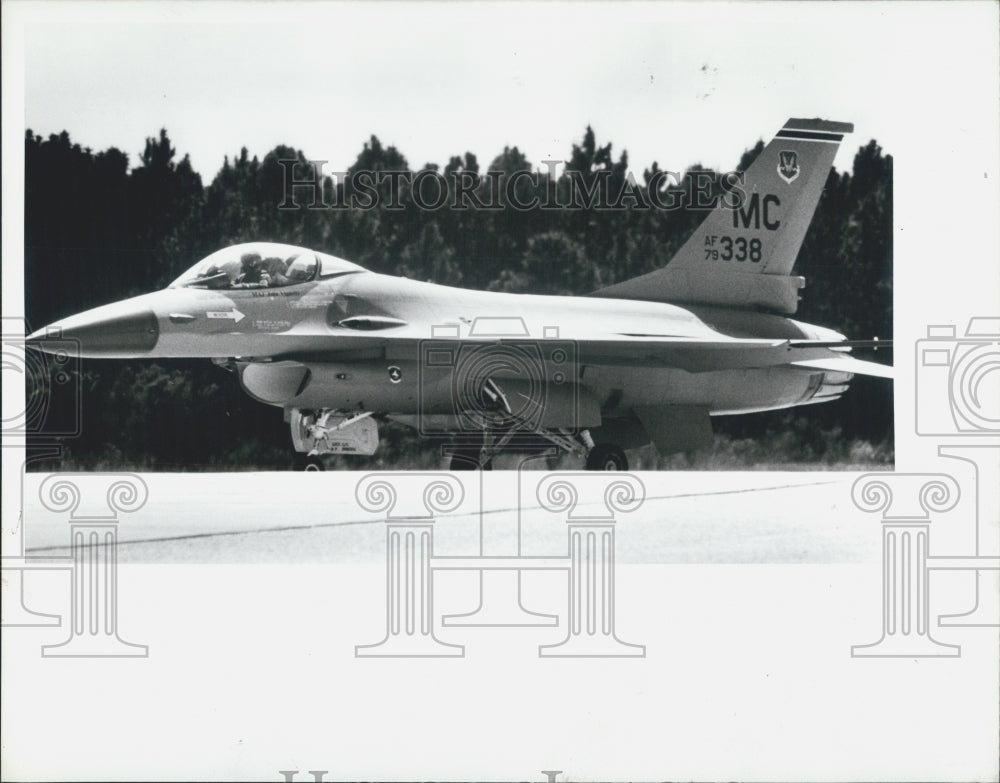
(314, 518)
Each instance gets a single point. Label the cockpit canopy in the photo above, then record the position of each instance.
(262, 265)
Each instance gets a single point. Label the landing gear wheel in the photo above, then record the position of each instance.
(606, 456)
(468, 459)
(309, 464)
(314, 465)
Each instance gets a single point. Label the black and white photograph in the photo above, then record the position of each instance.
(550, 391)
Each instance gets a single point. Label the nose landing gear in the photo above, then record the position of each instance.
(601, 456)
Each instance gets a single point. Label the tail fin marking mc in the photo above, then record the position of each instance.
(759, 235)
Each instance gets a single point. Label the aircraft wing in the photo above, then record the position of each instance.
(693, 355)
(685, 353)
(707, 356)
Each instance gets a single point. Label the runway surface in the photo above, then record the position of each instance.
(262, 587)
(314, 518)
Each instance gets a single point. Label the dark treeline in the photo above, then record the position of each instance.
(98, 230)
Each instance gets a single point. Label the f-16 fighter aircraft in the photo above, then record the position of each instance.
(338, 348)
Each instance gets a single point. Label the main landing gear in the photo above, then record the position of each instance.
(601, 456)
(606, 456)
(316, 434)
(501, 425)
(469, 459)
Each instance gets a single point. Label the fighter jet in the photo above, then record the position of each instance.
(339, 348)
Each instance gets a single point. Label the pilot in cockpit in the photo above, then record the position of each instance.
(274, 268)
(252, 274)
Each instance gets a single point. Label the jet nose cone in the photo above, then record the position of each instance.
(113, 331)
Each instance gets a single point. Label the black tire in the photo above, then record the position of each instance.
(606, 456)
(468, 459)
(309, 464)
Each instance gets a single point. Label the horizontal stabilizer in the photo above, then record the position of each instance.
(849, 364)
(842, 344)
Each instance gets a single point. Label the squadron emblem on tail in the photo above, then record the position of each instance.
(788, 165)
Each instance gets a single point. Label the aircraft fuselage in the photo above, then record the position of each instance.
(334, 329)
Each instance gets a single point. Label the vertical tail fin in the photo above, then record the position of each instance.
(741, 255)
